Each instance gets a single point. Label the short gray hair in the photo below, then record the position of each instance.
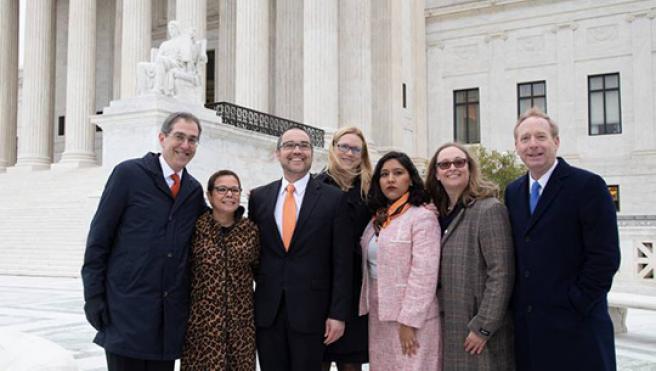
(167, 125)
(536, 112)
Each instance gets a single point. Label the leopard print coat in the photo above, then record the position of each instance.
(221, 328)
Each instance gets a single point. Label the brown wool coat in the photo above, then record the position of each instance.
(476, 281)
(221, 327)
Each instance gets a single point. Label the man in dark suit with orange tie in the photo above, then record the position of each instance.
(303, 287)
(567, 251)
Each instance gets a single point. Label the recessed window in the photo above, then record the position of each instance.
(604, 111)
(466, 116)
(405, 102)
(209, 77)
(61, 125)
(531, 94)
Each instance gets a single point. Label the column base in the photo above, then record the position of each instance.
(78, 160)
(73, 164)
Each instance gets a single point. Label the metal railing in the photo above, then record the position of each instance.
(249, 119)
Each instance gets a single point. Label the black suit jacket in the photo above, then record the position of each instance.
(566, 252)
(315, 274)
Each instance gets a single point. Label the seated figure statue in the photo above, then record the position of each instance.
(174, 67)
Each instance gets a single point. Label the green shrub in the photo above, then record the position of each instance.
(499, 167)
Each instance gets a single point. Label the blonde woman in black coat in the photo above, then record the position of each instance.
(349, 169)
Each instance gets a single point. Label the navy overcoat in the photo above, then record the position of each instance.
(566, 255)
(136, 260)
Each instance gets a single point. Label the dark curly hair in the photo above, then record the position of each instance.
(376, 199)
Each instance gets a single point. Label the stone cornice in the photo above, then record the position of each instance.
(564, 26)
(503, 35)
(439, 11)
(651, 14)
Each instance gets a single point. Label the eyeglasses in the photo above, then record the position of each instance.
(459, 163)
(223, 190)
(181, 138)
(345, 148)
(290, 146)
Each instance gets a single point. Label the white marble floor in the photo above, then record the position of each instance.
(51, 308)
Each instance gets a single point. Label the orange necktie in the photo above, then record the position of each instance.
(175, 188)
(288, 217)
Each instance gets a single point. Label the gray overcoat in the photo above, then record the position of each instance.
(476, 281)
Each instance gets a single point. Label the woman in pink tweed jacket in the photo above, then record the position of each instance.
(401, 249)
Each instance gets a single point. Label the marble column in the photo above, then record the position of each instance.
(136, 37)
(643, 78)
(320, 64)
(225, 62)
(193, 14)
(386, 74)
(116, 62)
(252, 56)
(243, 73)
(35, 137)
(418, 98)
(289, 74)
(80, 84)
(355, 64)
(9, 79)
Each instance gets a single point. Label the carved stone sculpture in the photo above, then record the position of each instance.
(173, 69)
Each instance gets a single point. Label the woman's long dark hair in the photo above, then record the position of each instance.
(376, 199)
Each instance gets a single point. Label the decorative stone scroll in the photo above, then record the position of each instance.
(173, 69)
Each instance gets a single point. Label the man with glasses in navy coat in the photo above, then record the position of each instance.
(135, 272)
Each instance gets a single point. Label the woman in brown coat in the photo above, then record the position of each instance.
(224, 257)
(476, 267)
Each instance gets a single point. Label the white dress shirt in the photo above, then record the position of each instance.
(543, 179)
(167, 171)
(299, 191)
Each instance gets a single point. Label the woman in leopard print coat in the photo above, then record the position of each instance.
(224, 257)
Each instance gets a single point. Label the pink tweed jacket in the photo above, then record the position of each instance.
(408, 263)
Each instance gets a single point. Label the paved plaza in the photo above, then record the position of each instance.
(51, 308)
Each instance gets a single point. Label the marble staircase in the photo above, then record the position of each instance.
(44, 219)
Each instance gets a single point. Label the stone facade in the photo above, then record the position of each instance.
(493, 46)
(387, 66)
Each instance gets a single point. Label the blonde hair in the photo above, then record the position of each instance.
(344, 177)
(477, 188)
(536, 112)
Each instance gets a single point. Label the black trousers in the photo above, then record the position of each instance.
(281, 348)
(116, 362)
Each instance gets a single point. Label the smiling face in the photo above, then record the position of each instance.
(345, 150)
(536, 145)
(453, 179)
(297, 159)
(224, 202)
(394, 180)
(179, 146)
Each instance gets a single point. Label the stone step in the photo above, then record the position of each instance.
(44, 219)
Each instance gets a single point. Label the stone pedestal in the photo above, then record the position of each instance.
(131, 126)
